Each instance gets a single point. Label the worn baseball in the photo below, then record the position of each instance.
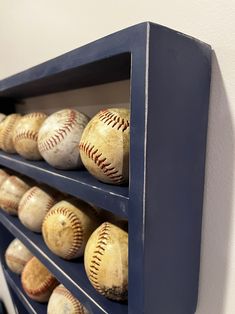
(3, 176)
(106, 261)
(6, 132)
(37, 281)
(16, 256)
(63, 302)
(11, 192)
(2, 118)
(59, 138)
(34, 205)
(104, 146)
(25, 135)
(67, 227)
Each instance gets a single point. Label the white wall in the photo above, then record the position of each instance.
(34, 31)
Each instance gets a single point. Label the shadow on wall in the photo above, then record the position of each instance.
(217, 200)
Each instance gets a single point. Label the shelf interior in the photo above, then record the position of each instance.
(70, 273)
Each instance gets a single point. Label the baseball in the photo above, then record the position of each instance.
(16, 256)
(104, 146)
(11, 192)
(6, 132)
(34, 206)
(25, 135)
(59, 138)
(67, 227)
(3, 176)
(63, 302)
(37, 281)
(106, 261)
(2, 117)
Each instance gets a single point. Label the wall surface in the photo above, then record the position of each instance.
(34, 31)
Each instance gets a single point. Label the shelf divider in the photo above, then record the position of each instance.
(78, 183)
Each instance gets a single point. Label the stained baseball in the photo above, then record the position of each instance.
(34, 206)
(59, 138)
(3, 176)
(25, 135)
(63, 302)
(106, 261)
(67, 227)
(11, 192)
(6, 132)
(37, 281)
(104, 146)
(16, 256)
(2, 118)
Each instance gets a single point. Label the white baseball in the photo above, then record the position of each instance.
(106, 261)
(63, 302)
(104, 146)
(11, 192)
(67, 227)
(25, 135)
(37, 281)
(16, 256)
(3, 176)
(34, 206)
(59, 137)
(6, 132)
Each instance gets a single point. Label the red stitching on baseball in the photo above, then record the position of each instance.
(104, 236)
(35, 115)
(26, 197)
(106, 167)
(113, 119)
(76, 227)
(78, 308)
(59, 135)
(26, 134)
(6, 131)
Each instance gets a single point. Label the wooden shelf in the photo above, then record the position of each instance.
(170, 85)
(78, 183)
(70, 273)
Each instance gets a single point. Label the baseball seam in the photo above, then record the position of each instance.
(26, 134)
(6, 135)
(114, 120)
(53, 140)
(98, 253)
(76, 227)
(35, 115)
(49, 283)
(104, 165)
(31, 193)
(78, 308)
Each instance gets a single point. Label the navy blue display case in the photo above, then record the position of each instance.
(169, 76)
